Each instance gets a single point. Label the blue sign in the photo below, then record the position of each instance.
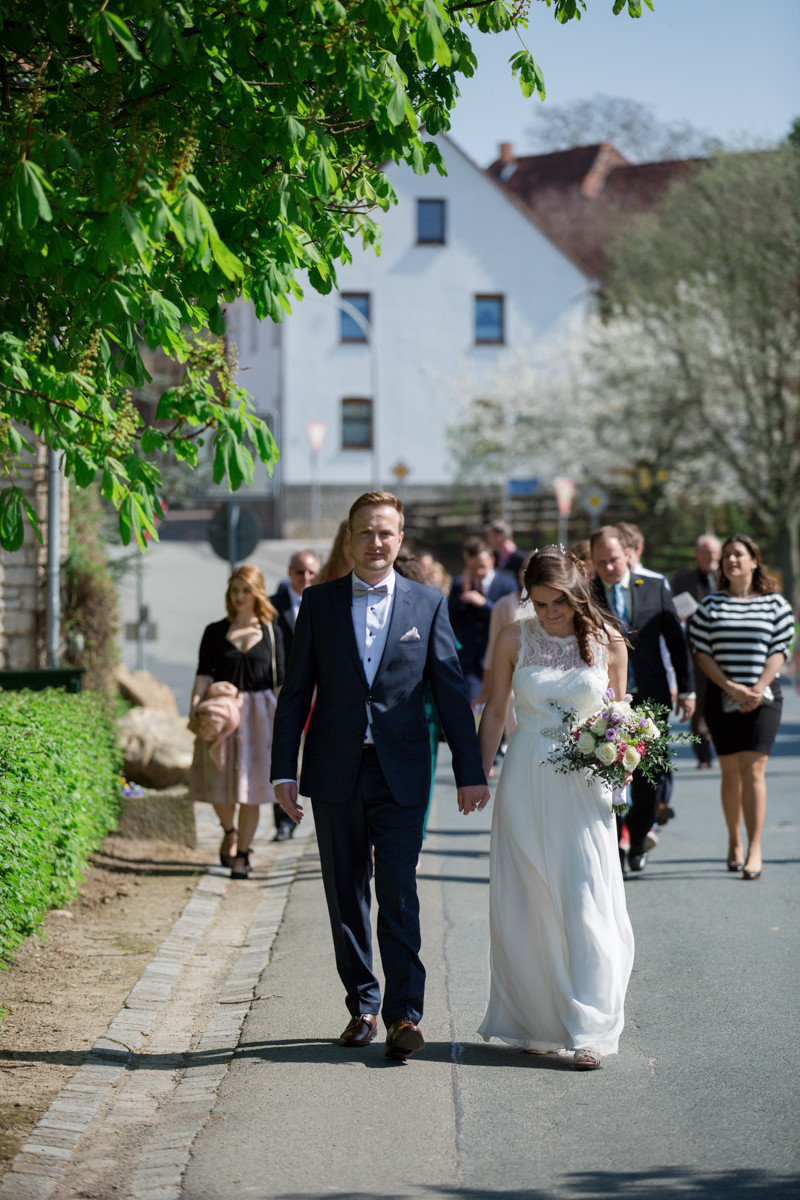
(522, 487)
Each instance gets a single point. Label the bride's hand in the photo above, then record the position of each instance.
(628, 780)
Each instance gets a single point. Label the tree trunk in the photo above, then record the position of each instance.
(789, 555)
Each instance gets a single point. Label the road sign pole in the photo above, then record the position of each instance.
(233, 532)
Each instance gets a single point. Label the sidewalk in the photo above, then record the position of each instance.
(221, 1077)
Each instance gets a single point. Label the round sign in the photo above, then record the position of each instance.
(248, 533)
(594, 501)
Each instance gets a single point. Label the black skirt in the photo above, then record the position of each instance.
(732, 732)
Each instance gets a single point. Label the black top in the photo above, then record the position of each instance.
(250, 671)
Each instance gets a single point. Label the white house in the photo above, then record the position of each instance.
(464, 274)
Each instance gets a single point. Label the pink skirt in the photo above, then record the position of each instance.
(245, 777)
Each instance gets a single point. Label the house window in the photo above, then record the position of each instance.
(430, 222)
(489, 320)
(356, 424)
(349, 328)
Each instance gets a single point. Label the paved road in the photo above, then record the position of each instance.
(700, 1102)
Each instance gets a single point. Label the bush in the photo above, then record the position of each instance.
(59, 789)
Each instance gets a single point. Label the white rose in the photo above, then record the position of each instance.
(599, 726)
(650, 731)
(607, 753)
(585, 743)
(632, 758)
(623, 708)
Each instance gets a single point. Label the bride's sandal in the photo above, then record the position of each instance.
(586, 1060)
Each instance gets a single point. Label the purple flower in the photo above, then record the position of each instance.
(643, 723)
(611, 734)
(616, 718)
(628, 697)
(608, 694)
(606, 715)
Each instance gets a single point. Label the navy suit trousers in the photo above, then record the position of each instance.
(345, 835)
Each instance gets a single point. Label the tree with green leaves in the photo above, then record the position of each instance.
(161, 159)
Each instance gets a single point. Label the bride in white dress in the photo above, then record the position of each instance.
(561, 941)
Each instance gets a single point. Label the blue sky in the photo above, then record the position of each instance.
(730, 67)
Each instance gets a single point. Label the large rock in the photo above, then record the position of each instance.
(166, 815)
(158, 747)
(144, 690)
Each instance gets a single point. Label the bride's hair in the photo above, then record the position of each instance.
(556, 568)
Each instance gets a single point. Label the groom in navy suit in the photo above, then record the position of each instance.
(369, 643)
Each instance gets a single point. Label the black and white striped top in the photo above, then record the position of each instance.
(740, 634)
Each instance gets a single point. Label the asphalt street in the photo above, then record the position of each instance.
(700, 1102)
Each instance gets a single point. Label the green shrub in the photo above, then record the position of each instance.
(59, 795)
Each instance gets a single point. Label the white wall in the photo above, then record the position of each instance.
(422, 306)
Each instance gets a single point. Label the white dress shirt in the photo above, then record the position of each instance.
(371, 625)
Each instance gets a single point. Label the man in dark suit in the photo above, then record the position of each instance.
(643, 606)
(700, 581)
(303, 570)
(472, 598)
(369, 643)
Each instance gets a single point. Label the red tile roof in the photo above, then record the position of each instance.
(580, 197)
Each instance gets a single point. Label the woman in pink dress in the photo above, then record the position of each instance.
(239, 671)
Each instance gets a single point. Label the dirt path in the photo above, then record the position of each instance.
(65, 986)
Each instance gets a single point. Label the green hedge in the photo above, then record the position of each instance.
(59, 795)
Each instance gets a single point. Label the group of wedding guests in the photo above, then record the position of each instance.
(376, 639)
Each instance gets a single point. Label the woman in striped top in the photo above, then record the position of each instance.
(741, 636)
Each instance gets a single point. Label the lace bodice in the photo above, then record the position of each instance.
(549, 672)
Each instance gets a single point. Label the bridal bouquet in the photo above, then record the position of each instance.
(615, 741)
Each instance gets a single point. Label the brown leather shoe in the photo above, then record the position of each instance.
(360, 1031)
(403, 1038)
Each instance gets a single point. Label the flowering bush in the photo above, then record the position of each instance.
(617, 740)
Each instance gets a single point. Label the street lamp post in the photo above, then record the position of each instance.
(315, 431)
(369, 333)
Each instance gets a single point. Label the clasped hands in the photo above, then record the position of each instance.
(470, 799)
(749, 698)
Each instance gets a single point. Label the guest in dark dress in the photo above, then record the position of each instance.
(244, 650)
(741, 636)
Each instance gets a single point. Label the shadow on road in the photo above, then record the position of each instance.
(662, 1183)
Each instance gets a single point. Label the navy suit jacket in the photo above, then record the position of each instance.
(471, 622)
(653, 614)
(325, 656)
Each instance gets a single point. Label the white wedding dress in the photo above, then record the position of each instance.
(561, 942)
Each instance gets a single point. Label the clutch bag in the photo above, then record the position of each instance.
(729, 705)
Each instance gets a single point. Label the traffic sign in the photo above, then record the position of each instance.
(594, 501)
(247, 533)
(522, 487)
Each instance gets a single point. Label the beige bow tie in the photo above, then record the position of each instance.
(361, 589)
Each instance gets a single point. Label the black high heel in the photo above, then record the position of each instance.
(241, 865)
(734, 866)
(226, 859)
(751, 874)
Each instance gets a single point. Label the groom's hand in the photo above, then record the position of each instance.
(286, 795)
(476, 796)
